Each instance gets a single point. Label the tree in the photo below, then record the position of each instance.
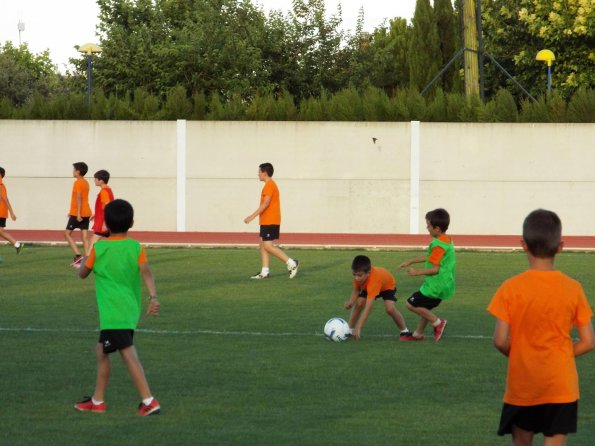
(446, 23)
(424, 46)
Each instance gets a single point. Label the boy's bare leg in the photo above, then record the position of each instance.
(136, 371)
(556, 440)
(423, 312)
(355, 312)
(395, 314)
(71, 242)
(274, 250)
(103, 373)
(521, 437)
(6, 236)
(85, 239)
(264, 255)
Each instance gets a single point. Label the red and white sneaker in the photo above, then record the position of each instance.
(149, 409)
(410, 337)
(439, 330)
(86, 405)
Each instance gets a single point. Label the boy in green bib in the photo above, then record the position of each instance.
(118, 263)
(439, 272)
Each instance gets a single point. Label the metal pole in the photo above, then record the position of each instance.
(89, 82)
(549, 78)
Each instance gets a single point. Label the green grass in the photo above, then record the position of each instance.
(235, 361)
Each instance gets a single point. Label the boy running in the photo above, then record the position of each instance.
(5, 210)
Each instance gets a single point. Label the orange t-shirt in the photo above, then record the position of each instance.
(541, 308)
(272, 214)
(80, 186)
(379, 280)
(3, 203)
(438, 252)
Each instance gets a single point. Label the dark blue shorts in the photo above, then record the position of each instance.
(417, 299)
(385, 295)
(113, 340)
(269, 232)
(73, 223)
(549, 419)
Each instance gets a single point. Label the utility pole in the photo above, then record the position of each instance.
(470, 39)
(21, 28)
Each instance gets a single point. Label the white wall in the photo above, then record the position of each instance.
(333, 177)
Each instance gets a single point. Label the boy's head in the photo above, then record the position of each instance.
(542, 233)
(361, 267)
(119, 216)
(81, 168)
(266, 168)
(438, 218)
(2, 172)
(102, 175)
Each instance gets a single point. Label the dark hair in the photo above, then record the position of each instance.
(119, 216)
(268, 168)
(361, 264)
(2, 172)
(440, 218)
(81, 167)
(102, 175)
(542, 232)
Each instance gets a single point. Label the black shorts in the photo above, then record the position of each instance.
(269, 232)
(419, 300)
(102, 234)
(113, 340)
(386, 295)
(550, 419)
(73, 223)
(2, 222)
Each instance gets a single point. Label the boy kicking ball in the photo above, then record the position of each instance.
(118, 263)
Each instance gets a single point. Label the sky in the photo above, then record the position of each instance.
(58, 25)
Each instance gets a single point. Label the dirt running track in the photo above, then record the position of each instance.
(367, 241)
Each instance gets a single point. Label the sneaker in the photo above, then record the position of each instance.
(259, 276)
(76, 261)
(20, 248)
(149, 409)
(439, 330)
(293, 271)
(410, 337)
(86, 405)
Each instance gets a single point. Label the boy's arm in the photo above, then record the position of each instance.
(79, 205)
(12, 216)
(410, 262)
(83, 270)
(501, 339)
(586, 340)
(153, 308)
(352, 299)
(359, 326)
(260, 210)
(424, 272)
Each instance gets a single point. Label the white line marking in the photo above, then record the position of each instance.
(211, 332)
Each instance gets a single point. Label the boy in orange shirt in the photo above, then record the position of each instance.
(104, 196)
(80, 211)
(269, 214)
(370, 283)
(5, 210)
(535, 313)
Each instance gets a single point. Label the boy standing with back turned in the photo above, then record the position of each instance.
(439, 283)
(118, 263)
(535, 313)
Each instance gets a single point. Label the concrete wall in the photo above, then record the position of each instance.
(332, 175)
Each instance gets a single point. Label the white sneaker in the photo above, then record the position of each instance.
(293, 271)
(260, 276)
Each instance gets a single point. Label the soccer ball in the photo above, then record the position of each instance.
(337, 330)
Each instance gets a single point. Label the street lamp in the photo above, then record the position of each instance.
(89, 49)
(548, 57)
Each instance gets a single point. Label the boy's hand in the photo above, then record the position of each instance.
(356, 333)
(153, 307)
(413, 272)
(348, 305)
(404, 265)
(12, 216)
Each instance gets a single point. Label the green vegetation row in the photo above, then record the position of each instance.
(371, 104)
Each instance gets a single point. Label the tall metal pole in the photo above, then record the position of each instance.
(89, 82)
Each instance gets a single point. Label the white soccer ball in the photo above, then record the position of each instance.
(337, 330)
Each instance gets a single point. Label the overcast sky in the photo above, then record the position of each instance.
(58, 25)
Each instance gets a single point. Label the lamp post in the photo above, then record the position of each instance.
(548, 57)
(89, 49)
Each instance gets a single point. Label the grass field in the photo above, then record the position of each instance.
(240, 362)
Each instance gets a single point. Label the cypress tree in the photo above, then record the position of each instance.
(424, 47)
(446, 22)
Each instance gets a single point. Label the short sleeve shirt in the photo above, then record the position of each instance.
(80, 186)
(379, 280)
(272, 214)
(3, 203)
(541, 308)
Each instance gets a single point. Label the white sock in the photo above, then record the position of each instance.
(17, 244)
(435, 324)
(95, 402)
(148, 401)
(290, 263)
(264, 271)
(405, 330)
(417, 335)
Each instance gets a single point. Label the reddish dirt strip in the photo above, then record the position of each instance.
(388, 241)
